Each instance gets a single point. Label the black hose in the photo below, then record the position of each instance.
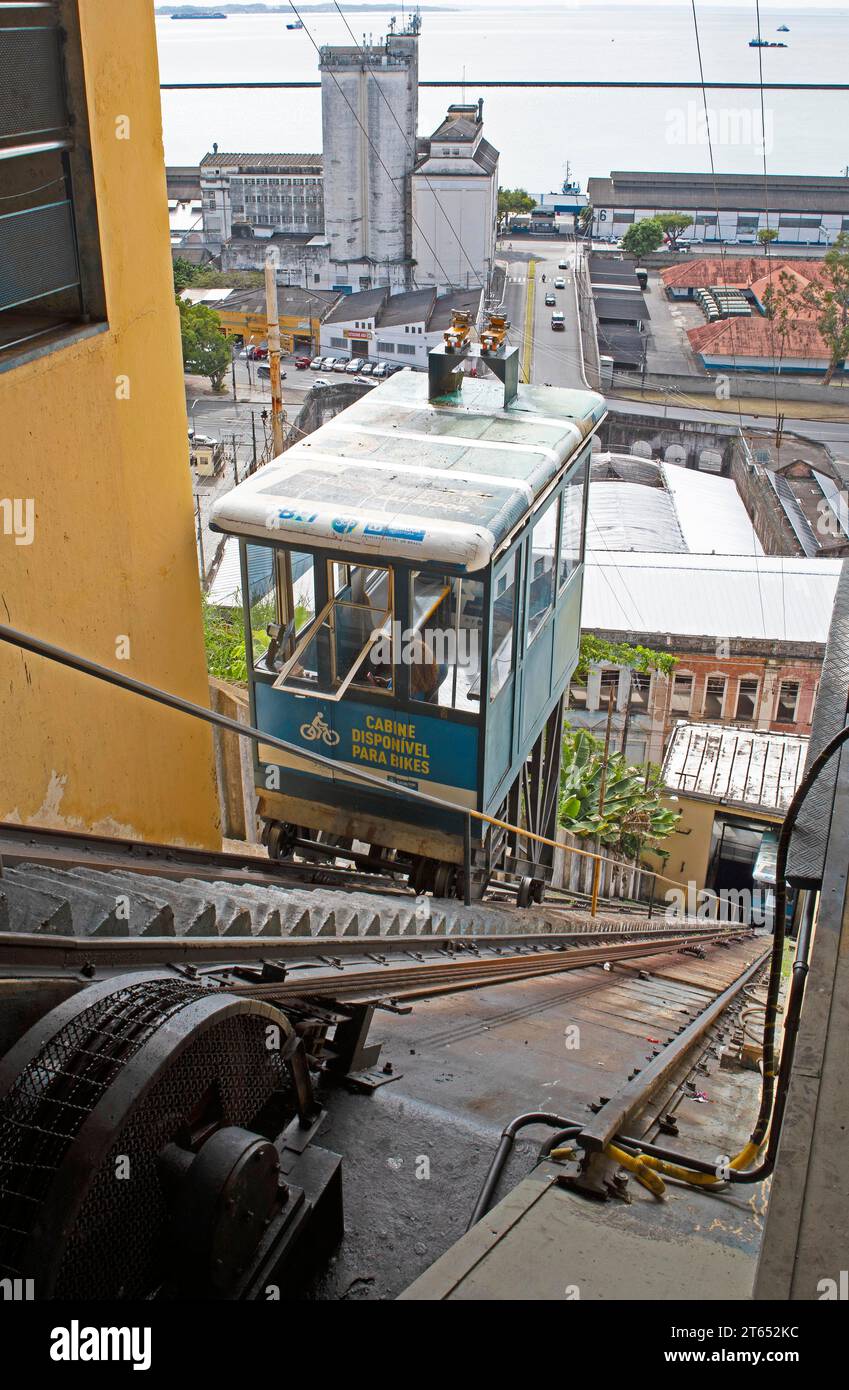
(554, 1140)
(508, 1136)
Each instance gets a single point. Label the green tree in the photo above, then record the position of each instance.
(634, 817)
(205, 348)
(673, 224)
(828, 296)
(208, 279)
(184, 273)
(767, 235)
(643, 237)
(782, 301)
(514, 200)
(595, 650)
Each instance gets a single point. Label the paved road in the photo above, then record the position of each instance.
(555, 356)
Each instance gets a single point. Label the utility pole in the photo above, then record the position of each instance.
(253, 438)
(597, 864)
(272, 260)
(200, 542)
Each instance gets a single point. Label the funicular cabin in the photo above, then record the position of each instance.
(411, 574)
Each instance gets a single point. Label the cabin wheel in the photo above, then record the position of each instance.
(445, 881)
(279, 838)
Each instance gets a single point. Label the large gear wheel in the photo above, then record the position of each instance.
(106, 1106)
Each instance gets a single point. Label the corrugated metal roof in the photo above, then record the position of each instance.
(772, 597)
(732, 765)
(653, 506)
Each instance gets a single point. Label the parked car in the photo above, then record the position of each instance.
(258, 354)
(381, 369)
(354, 365)
(319, 381)
(341, 364)
(560, 283)
(302, 363)
(551, 298)
(364, 381)
(393, 367)
(558, 321)
(367, 368)
(263, 371)
(328, 363)
(315, 364)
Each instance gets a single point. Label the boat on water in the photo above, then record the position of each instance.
(766, 43)
(783, 29)
(299, 24)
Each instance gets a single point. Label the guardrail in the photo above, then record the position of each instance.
(27, 642)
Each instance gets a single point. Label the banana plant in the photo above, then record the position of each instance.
(633, 816)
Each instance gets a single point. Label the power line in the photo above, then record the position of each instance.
(507, 83)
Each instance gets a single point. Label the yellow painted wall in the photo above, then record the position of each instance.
(255, 327)
(114, 552)
(689, 843)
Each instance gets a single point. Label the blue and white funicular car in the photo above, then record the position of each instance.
(411, 574)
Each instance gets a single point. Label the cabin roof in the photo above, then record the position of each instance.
(397, 476)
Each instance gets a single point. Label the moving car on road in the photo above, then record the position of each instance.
(558, 322)
(560, 283)
(562, 265)
(551, 298)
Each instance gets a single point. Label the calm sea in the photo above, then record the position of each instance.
(538, 131)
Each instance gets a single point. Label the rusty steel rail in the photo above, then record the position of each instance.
(616, 1113)
(349, 970)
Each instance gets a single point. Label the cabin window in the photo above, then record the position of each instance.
(349, 641)
(542, 560)
(442, 648)
(572, 536)
(503, 624)
(262, 598)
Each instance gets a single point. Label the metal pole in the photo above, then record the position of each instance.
(272, 260)
(467, 861)
(253, 439)
(597, 864)
(200, 542)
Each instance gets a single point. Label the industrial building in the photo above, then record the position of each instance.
(805, 210)
(395, 328)
(455, 203)
(257, 195)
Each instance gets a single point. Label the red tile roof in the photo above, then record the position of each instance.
(759, 337)
(736, 272)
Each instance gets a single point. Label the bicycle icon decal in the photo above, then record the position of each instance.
(318, 729)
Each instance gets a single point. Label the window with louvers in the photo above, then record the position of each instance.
(50, 276)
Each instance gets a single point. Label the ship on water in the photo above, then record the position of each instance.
(766, 43)
(299, 24)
